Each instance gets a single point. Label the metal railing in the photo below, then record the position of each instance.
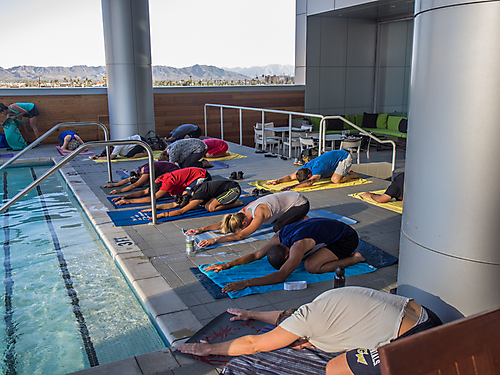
(362, 131)
(322, 126)
(263, 111)
(52, 130)
(68, 158)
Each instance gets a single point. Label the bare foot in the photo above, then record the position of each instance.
(358, 257)
(352, 175)
(206, 164)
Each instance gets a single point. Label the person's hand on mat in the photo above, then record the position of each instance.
(108, 186)
(275, 182)
(234, 286)
(217, 267)
(195, 231)
(207, 242)
(122, 202)
(202, 348)
(239, 314)
(115, 191)
(116, 199)
(286, 188)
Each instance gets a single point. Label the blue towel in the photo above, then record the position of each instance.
(265, 232)
(136, 217)
(262, 268)
(123, 174)
(373, 256)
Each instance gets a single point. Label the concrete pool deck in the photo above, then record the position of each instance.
(154, 260)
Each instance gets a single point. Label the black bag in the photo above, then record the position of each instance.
(155, 141)
(309, 154)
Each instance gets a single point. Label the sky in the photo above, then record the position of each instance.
(224, 33)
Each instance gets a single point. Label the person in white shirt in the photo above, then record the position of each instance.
(279, 209)
(126, 151)
(353, 320)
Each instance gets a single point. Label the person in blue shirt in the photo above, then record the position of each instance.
(335, 163)
(183, 131)
(28, 110)
(69, 141)
(323, 244)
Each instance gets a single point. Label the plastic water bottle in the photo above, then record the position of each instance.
(190, 246)
(339, 280)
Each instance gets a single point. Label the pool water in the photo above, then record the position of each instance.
(65, 305)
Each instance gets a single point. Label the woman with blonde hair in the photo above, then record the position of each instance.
(281, 209)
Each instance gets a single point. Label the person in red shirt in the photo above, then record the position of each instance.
(140, 177)
(172, 183)
(216, 148)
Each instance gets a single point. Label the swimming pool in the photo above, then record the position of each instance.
(65, 304)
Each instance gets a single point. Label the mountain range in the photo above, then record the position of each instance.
(272, 69)
(160, 73)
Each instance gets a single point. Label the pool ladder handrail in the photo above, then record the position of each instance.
(52, 130)
(68, 158)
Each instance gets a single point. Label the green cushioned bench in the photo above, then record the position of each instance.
(386, 124)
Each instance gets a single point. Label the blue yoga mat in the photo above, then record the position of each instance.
(136, 217)
(158, 201)
(217, 165)
(262, 268)
(265, 232)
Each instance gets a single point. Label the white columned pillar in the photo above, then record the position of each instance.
(128, 67)
(450, 238)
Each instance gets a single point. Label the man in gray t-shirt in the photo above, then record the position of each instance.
(187, 153)
(353, 320)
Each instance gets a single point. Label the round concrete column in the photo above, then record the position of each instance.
(450, 239)
(128, 67)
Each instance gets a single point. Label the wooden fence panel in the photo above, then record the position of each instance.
(171, 110)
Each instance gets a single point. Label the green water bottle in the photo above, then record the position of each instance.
(190, 246)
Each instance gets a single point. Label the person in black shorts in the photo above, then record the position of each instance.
(343, 320)
(215, 195)
(395, 190)
(324, 245)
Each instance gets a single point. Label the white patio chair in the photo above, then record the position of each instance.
(306, 142)
(295, 143)
(351, 145)
(270, 138)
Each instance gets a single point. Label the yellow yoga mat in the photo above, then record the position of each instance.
(393, 204)
(231, 155)
(121, 158)
(324, 183)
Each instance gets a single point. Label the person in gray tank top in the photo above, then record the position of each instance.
(281, 209)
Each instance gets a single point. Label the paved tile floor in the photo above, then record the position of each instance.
(163, 245)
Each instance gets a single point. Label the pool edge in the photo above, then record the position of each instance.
(173, 318)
